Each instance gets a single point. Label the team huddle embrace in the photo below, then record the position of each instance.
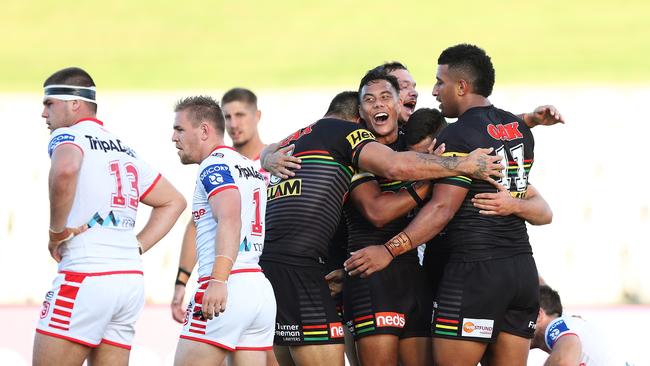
(379, 227)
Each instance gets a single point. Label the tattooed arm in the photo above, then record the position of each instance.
(382, 161)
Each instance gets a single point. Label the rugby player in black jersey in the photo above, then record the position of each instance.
(488, 296)
(304, 208)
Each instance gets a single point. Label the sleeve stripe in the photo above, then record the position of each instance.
(222, 188)
(155, 181)
(68, 143)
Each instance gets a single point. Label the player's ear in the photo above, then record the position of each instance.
(462, 87)
(205, 130)
(258, 115)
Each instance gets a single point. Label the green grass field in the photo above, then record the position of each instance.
(164, 44)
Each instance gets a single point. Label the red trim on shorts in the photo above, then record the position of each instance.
(254, 348)
(69, 143)
(62, 313)
(69, 291)
(60, 321)
(64, 304)
(115, 344)
(58, 327)
(92, 274)
(450, 321)
(90, 119)
(155, 181)
(217, 344)
(364, 318)
(245, 270)
(234, 271)
(222, 147)
(314, 326)
(197, 325)
(202, 332)
(217, 190)
(75, 340)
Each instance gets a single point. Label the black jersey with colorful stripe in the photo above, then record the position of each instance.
(302, 212)
(471, 235)
(361, 232)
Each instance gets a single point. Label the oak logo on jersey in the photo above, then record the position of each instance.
(358, 136)
(291, 187)
(507, 132)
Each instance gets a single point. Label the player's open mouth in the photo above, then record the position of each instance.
(381, 117)
(410, 105)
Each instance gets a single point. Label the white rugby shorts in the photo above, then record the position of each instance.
(248, 323)
(93, 308)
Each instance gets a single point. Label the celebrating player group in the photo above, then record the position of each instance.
(378, 232)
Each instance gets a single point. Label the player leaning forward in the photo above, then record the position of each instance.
(96, 184)
(233, 310)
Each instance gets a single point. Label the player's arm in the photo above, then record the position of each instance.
(446, 199)
(383, 161)
(545, 115)
(278, 162)
(186, 264)
(226, 210)
(167, 204)
(380, 208)
(533, 208)
(63, 179)
(566, 351)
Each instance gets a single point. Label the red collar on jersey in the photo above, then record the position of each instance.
(90, 119)
(222, 147)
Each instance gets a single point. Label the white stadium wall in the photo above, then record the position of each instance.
(589, 170)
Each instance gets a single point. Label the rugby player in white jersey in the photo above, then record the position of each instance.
(233, 310)
(96, 183)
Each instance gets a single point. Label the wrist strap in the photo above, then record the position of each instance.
(400, 243)
(61, 236)
(222, 267)
(411, 190)
(178, 276)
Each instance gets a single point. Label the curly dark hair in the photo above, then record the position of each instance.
(473, 64)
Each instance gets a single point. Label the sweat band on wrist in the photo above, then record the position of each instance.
(222, 266)
(400, 243)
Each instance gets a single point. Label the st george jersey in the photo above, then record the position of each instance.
(227, 169)
(471, 235)
(304, 210)
(112, 182)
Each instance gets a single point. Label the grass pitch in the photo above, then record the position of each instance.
(146, 44)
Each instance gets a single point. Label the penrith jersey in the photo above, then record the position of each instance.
(471, 235)
(303, 211)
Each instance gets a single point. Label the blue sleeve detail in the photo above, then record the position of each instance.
(554, 332)
(215, 176)
(57, 140)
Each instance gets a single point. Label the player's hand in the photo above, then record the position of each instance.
(479, 165)
(335, 281)
(545, 115)
(214, 299)
(432, 148)
(496, 204)
(57, 239)
(367, 261)
(178, 312)
(280, 162)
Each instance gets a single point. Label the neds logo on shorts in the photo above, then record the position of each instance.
(358, 136)
(480, 328)
(390, 319)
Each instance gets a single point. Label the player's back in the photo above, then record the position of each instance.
(475, 236)
(112, 181)
(304, 210)
(227, 169)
